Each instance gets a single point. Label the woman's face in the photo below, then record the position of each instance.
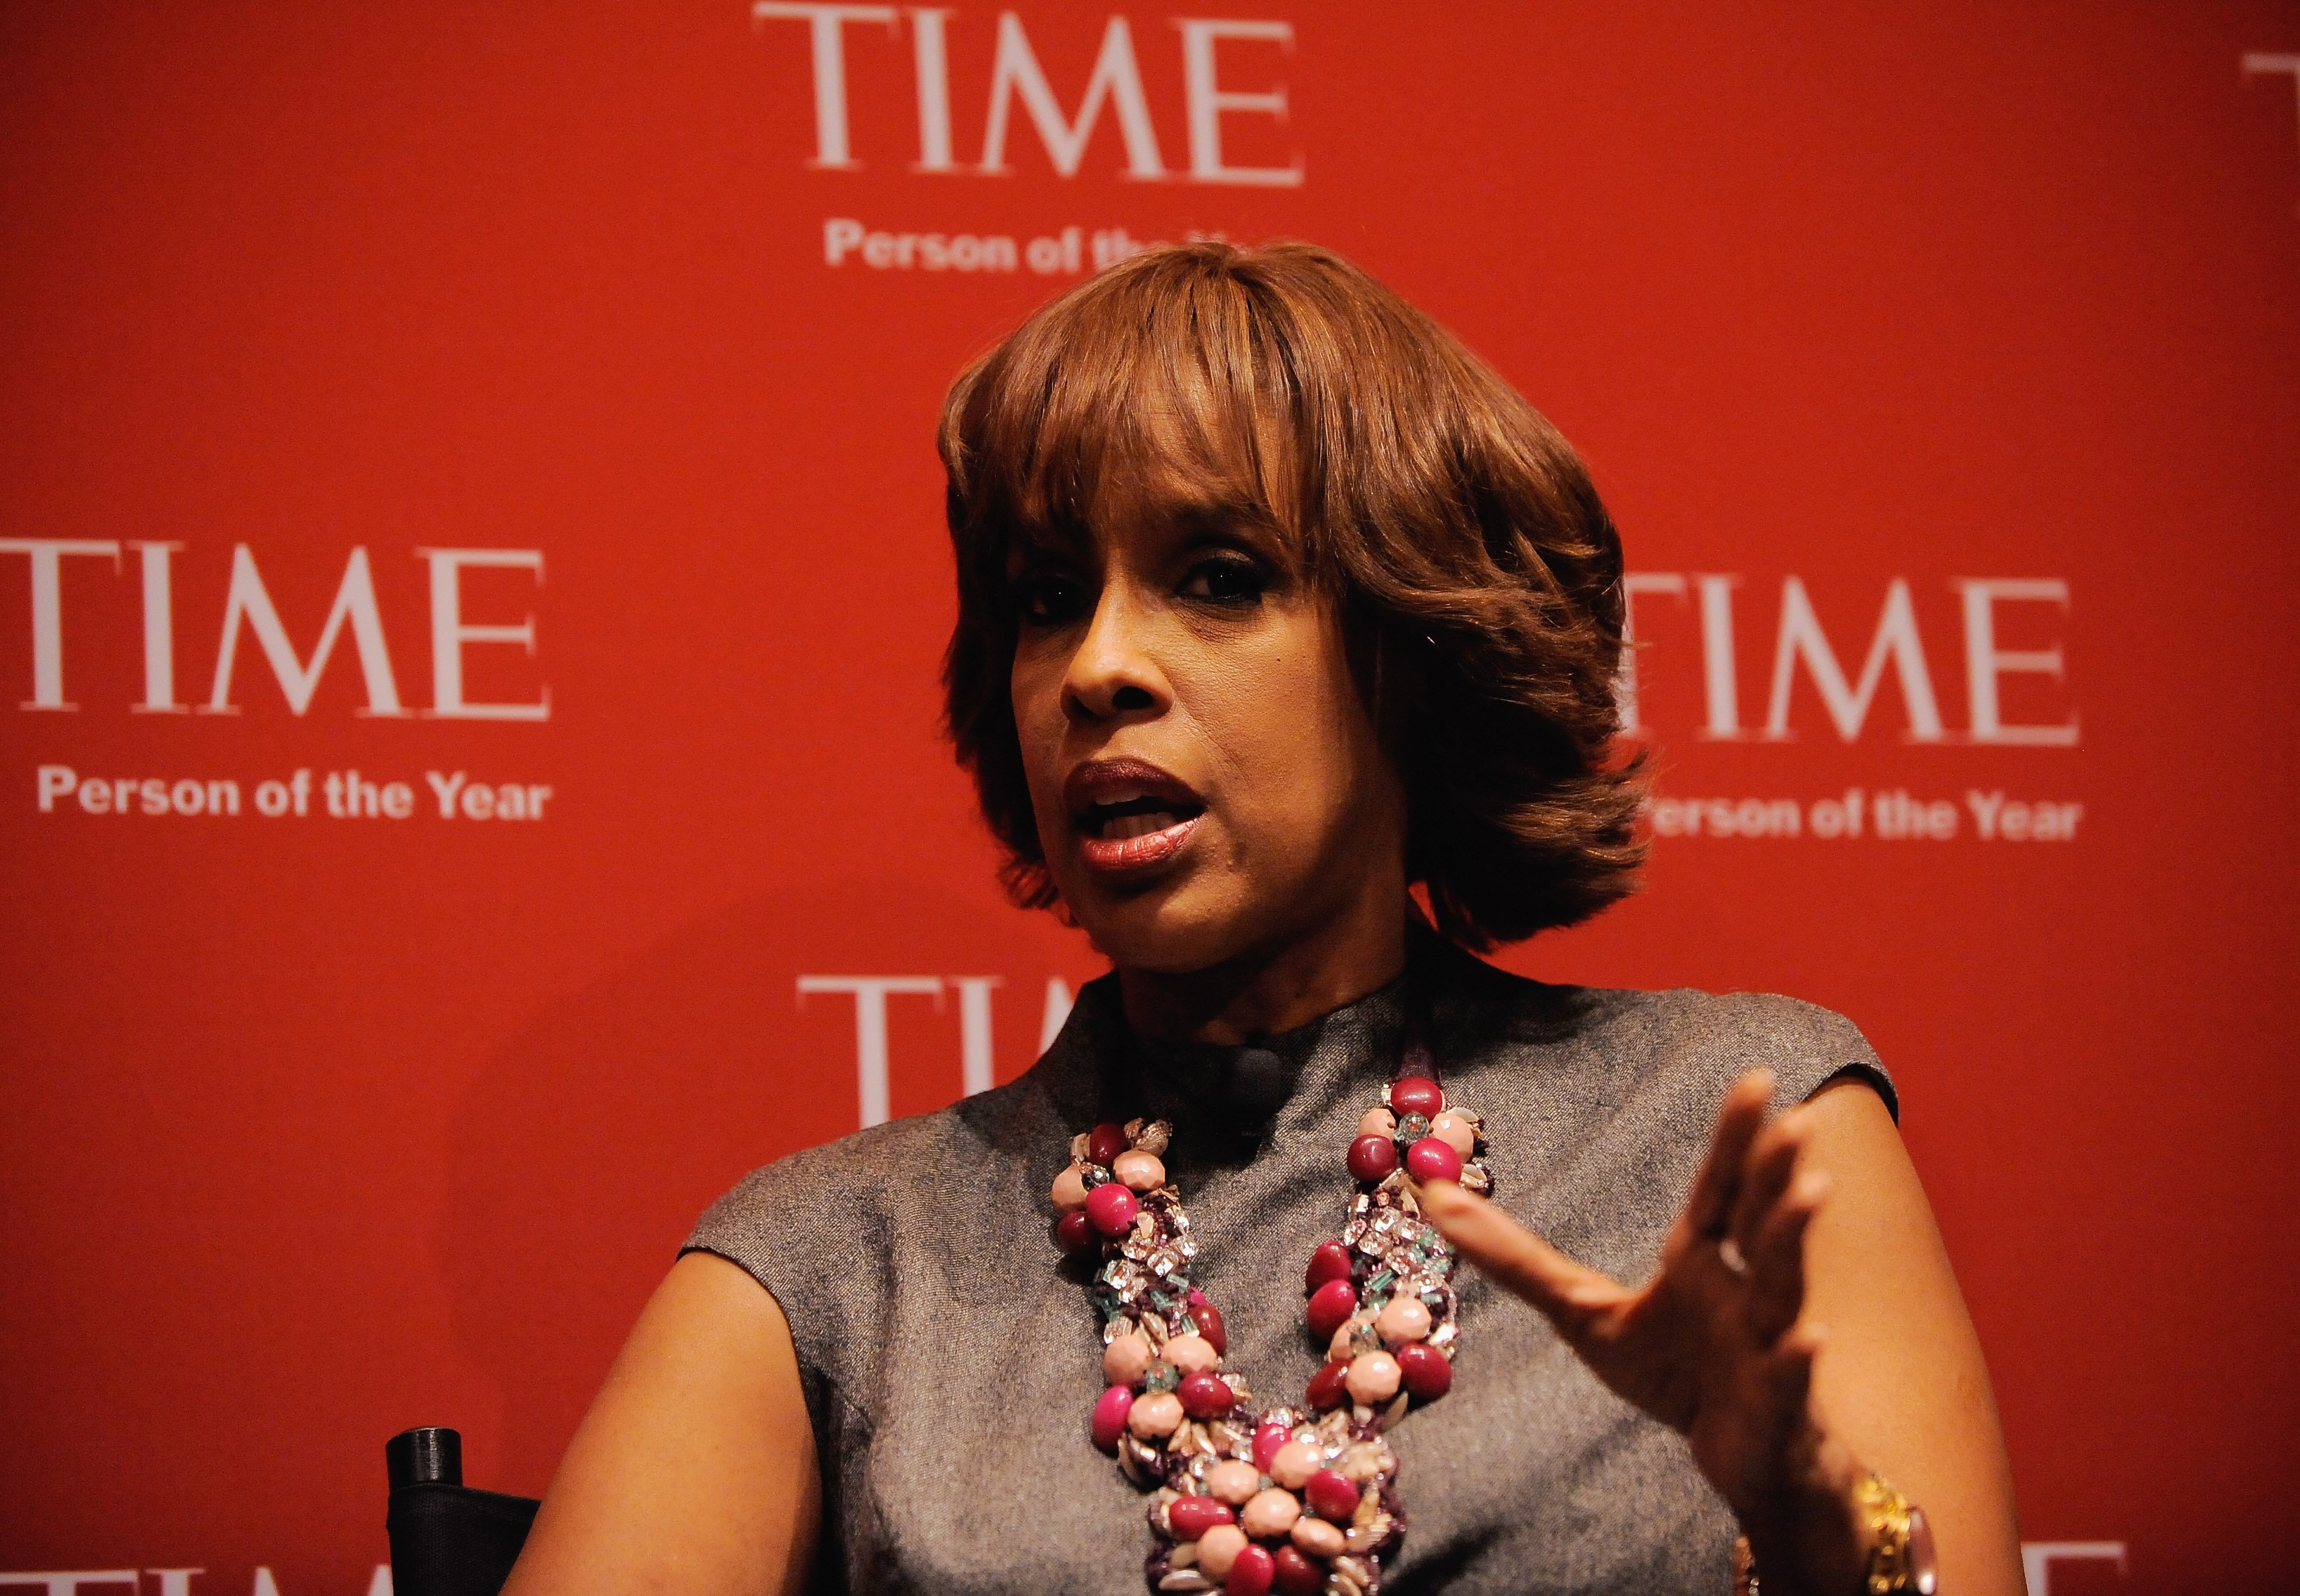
(1207, 781)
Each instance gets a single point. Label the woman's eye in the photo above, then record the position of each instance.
(1230, 580)
(1047, 599)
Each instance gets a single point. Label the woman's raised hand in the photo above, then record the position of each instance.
(1712, 1345)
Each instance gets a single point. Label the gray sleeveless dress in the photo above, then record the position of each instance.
(950, 1360)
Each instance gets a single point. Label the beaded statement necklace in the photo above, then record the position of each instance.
(1298, 1499)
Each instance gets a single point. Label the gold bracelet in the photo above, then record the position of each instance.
(1901, 1560)
(1900, 1557)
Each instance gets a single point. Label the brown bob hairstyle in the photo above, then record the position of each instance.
(1477, 578)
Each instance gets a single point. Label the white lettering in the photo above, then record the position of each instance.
(1057, 1013)
(869, 993)
(825, 24)
(930, 63)
(2037, 1558)
(450, 634)
(47, 555)
(1207, 100)
(1625, 681)
(1984, 663)
(354, 600)
(159, 631)
(1720, 684)
(63, 1584)
(974, 1056)
(1801, 636)
(1115, 77)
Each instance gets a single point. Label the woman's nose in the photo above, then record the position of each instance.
(1114, 672)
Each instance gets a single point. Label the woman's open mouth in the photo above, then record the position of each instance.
(1129, 814)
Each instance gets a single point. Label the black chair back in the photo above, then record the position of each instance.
(446, 1538)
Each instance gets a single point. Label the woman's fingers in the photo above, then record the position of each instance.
(1739, 1119)
(1520, 1260)
(1771, 1164)
(1776, 1257)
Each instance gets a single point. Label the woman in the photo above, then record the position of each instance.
(1275, 609)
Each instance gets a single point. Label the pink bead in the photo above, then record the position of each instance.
(1402, 1319)
(1455, 1131)
(1191, 1517)
(1111, 1208)
(1373, 1158)
(1109, 1416)
(1069, 1189)
(1074, 1234)
(1296, 1574)
(1154, 1415)
(1329, 1305)
(1373, 1378)
(1330, 1261)
(1191, 1353)
(1427, 1372)
(1140, 1171)
(1415, 1094)
(1331, 1495)
(1320, 1539)
(1233, 1481)
(1379, 1122)
(1431, 1160)
(1269, 1514)
(1295, 1463)
(1328, 1386)
(1219, 1549)
(1105, 1142)
(1250, 1573)
(1205, 1395)
(1127, 1359)
(1267, 1440)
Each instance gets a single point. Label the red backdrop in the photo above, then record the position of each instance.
(1956, 342)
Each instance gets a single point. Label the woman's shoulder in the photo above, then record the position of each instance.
(1632, 1041)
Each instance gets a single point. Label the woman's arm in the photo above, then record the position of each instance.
(695, 1470)
(1804, 1328)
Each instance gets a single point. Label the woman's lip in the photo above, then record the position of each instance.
(1135, 855)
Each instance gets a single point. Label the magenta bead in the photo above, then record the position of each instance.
(1190, 1516)
(1371, 1157)
(1415, 1094)
(1330, 1261)
(1205, 1395)
(1329, 1305)
(1425, 1371)
(1267, 1440)
(1109, 1416)
(1331, 1495)
(1105, 1142)
(1329, 1387)
(1293, 1575)
(1252, 1573)
(1427, 1159)
(1074, 1234)
(1111, 1208)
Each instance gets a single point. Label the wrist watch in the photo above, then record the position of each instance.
(1901, 1555)
(1900, 1551)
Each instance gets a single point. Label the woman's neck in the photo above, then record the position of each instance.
(1269, 990)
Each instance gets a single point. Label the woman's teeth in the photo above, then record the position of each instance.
(1124, 826)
